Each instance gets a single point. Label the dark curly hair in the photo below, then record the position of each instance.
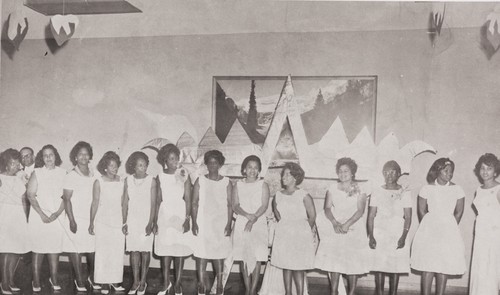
(165, 151)
(295, 170)
(6, 156)
(489, 160)
(132, 161)
(76, 149)
(106, 159)
(349, 163)
(250, 158)
(214, 154)
(392, 165)
(437, 166)
(39, 156)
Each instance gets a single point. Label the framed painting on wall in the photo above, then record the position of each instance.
(252, 100)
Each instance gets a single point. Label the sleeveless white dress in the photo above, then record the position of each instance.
(388, 228)
(139, 211)
(211, 242)
(47, 237)
(171, 239)
(13, 224)
(343, 253)
(81, 200)
(293, 246)
(252, 246)
(109, 238)
(485, 267)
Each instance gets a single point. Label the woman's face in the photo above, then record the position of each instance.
(141, 166)
(252, 169)
(391, 176)
(112, 168)
(12, 167)
(287, 178)
(83, 157)
(213, 165)
(344, 173)
(49, 158)
(445, 174)
(172, 161)
(487, 172)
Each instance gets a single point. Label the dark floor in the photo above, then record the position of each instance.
(234, 285)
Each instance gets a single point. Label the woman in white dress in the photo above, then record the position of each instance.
(389, 220)
(106, 224)
(139, 209)
(438, 248)
(293, 248)
(485, 267)
(77, 199)
(212, 215)
(250, 198)
(13, 225)
(343, 246)
(174, 238)
(45, 191)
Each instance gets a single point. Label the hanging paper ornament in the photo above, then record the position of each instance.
(17, 28)
(63, 27)
(490, 35)
(435, 24)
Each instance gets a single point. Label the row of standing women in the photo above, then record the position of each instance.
(180, 220)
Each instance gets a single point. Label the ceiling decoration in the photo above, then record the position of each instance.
(53, 7)
(490, 33)
(435, 24)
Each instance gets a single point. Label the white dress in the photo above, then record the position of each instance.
(81, 199)
(109, 238)
(485, 267)
(13, 224)
(211, 241)
(139, 211)
(252, 246)
(47, 237)
(293, 246)
(343, 253)
(438, 245)
(388, 228)
(171, 239)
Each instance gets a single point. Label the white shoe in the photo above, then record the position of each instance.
(117, 288)
(80, 289)
(55, 287)
(94, 285)
(165, 292)
(142, 292)
(36, 289)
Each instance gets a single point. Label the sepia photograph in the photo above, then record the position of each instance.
(269, 147)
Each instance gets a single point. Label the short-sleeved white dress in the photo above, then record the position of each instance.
(252, 246)
(438, 245)
(139, 211)
(211, 241)
(343, 253)
(171, 239)
(81, 199)
(13, 225)
(388, 228)
(293, 246)
(48, 237)
(485, 267)
(109, 238)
